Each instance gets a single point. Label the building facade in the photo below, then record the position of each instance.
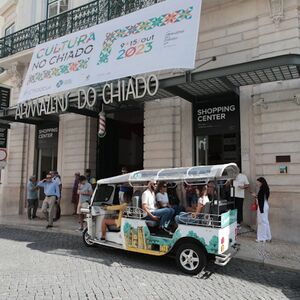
(241, 104)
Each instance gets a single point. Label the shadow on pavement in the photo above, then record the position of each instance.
(71, 245)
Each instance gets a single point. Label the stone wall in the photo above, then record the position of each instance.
(268, 130)
(20, 165)
(277, 132)
(77, 151)
(168, 133)
(241, 31)
(168, 137)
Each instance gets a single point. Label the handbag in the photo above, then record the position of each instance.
(254, 206)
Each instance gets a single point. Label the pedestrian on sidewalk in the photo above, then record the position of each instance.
(56, 178)
(262, 197)
(240, 184)
(90, 179)
(85, 192)
(32, 198)
(75, 196)
(52, 193)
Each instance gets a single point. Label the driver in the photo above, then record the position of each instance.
(162, 215)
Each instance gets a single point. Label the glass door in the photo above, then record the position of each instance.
(47, 161)
(47, 147)
(218, 149)
(201, 150)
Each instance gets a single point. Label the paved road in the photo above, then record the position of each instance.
(37, 265)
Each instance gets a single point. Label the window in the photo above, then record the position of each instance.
(55, 7)
(10, 29)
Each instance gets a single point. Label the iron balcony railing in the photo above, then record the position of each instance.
(79, 18)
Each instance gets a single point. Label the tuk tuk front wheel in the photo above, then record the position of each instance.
(87, 238)
(190, 258)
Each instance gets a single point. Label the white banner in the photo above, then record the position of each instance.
(162, 36)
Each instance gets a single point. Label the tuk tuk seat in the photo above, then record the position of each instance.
(118, 221)
(151, 223)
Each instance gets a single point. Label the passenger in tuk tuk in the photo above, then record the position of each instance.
(202, 201)
(191, 195)
(211, 190)
(174, 201)
(162, 215)
(162, 198)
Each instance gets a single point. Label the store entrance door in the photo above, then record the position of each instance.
(218, 149)
(123, 144)
(47, 146)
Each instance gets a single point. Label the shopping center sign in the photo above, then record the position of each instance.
(162, 36)
(217, 117)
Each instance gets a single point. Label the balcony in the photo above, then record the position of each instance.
(79, 18)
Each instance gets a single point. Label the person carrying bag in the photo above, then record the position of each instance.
(261, 200)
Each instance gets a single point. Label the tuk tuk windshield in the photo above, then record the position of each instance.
(103, 194)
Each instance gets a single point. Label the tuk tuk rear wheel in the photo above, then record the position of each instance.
(191, 258)
(86, 238)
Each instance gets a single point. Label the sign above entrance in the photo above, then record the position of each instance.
(47, 135)
(117, 91)
(217, 117)
(162, 36)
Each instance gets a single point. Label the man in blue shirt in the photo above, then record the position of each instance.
(52, 193)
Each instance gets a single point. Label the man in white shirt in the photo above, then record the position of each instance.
(240, 184)
(162, 215)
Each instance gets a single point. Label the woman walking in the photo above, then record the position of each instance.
(263, 226)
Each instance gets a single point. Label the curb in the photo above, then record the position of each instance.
(267, 264)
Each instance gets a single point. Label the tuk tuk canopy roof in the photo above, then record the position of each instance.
(186, 174)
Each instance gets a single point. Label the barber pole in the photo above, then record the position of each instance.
(102, 125)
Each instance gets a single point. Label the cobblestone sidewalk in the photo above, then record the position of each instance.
(46, 265)
(277, 253)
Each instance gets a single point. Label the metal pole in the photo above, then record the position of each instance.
(108, 10)
(98, 15)
(47, 9)
(71, 20)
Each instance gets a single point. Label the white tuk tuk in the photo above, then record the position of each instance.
(211, 234)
